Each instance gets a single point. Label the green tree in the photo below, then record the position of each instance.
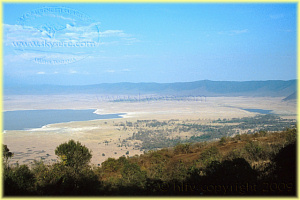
(255, 151)
(73, 154)
(209, 155)
(59, 179)
(178, 170)
(110, 165)
(223, 140)
(182, 148)
(291, 134)
(6, 154)
(133, 175)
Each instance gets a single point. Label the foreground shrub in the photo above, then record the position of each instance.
(18, 181)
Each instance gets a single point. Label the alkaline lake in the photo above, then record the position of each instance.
(28, 119)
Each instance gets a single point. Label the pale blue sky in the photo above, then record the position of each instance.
(165, 43)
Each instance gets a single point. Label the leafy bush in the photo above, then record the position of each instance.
(111, 165)
(177, 168)
(223, 140)
(291, 135)
(133, 175)
(209, 155)
(18, 181)
(182, 148)
(234, 154)
(254, 151)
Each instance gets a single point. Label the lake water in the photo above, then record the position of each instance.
(27, 119)
(261, 111)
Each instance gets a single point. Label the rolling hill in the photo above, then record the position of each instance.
(273, 88)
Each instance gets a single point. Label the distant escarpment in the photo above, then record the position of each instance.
(291, 97)
(272, 88)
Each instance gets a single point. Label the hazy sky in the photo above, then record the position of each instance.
(148, 43)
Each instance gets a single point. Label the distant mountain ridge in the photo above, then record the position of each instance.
(273, 88)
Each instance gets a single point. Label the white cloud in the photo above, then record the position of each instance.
(234, 32)
(114, 33)
(17, 36)
(41, 57)
(117, 71)
(110, 71)
(82, 33)
(133, 56)
(40, 73)
(130, 41)
(73, 72)
(14, 33)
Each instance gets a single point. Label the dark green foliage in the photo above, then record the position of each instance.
(233, 154)
(62, 179)
(291, 135)
(178, 171)
(223, 140)
(73, 154)
(182, 148)
(209, 155)
(267, 122)
(254, 151)
(202, 169)
(18, 181)
(6, 154)
(111, 165)
(230, 171)
(286, 163)
(280, 176)
(133, 176)
(158, 136)
(262, 133)
(72, 176)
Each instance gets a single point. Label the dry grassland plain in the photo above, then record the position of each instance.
(103, 136)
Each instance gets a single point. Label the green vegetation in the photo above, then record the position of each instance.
(6, 154)
(73, 154)
(155, 134)
(263, 163)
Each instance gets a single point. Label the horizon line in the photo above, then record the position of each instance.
(126, 82)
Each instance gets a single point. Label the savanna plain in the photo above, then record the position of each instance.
(113, 138)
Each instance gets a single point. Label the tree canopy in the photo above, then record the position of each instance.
(6, 153)
(73, 154)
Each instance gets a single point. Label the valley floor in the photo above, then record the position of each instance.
(104, 137)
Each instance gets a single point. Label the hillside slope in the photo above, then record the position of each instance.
(263, 163)
(291, 97)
